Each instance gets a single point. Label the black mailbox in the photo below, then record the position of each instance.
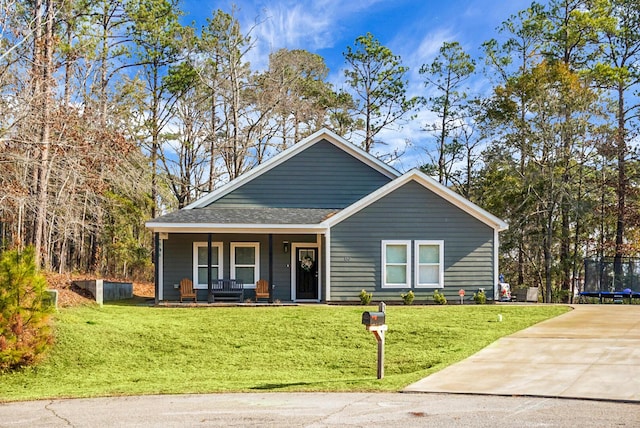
(373, 318)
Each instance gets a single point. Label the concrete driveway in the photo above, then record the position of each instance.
(592, 352)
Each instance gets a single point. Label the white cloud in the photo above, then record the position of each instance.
(309, 25)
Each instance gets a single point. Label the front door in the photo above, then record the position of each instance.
(306, 274)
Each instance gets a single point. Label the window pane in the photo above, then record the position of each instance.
(202, 275)
(429, 275)
(245, 255)
(246, 274)
(429, 254)
(202, 256)
(308, 253)
(396, 253)
(396, 275)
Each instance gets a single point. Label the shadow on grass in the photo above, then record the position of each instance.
(134, 301)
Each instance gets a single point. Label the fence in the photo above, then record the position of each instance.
(602, 275)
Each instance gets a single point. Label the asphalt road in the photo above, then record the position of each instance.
(321, 410)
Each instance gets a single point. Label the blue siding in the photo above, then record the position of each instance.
(322, 176)
(178, 261)
(411, 212)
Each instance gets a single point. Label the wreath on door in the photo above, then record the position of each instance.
(306, 263)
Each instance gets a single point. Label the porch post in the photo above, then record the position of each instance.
(270, 267)
(209, 263)
(156, 267)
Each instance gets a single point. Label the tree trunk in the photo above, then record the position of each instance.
(621, 189)
(45, 135)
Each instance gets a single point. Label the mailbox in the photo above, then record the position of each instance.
(373, 318)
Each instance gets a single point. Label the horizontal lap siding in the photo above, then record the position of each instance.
(178, 261)
(411, 212)
(322, 176)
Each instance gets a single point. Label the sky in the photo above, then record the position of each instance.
(412, 29)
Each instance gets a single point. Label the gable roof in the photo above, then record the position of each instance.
(430, 184)
(323, 134)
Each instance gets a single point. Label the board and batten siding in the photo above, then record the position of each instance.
(322, 176)
(410, 212)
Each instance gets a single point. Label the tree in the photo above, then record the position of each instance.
(25, 333)
(570, 39)
(184, 154)
(154, 29)
(521, 50)
(618, 73)
(378, 80)
(43, 91)
(295, 88)
(223, 68)
(447, 74)
(548, 90)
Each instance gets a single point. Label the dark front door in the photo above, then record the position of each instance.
(307, 273)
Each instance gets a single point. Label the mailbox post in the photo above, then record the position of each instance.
(375, 323)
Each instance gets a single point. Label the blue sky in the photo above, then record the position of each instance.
(413, 29)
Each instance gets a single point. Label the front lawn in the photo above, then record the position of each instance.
(125, 350)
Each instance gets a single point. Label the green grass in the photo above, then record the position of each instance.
(126, 350)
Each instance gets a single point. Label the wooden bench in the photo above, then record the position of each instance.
(227, 288)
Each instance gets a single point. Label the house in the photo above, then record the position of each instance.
(323, 220)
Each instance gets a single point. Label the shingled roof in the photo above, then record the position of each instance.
(246, 216)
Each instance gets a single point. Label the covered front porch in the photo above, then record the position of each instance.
(293, 263)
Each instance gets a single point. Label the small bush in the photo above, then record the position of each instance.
(480, 297)
(407, 298)
(439, 298)
(365, 298)
(24, 317)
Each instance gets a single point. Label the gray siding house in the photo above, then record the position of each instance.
(322, 221)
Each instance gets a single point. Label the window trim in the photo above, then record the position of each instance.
(416, 263)
(256, 266)
(407, 244)
(219, 264)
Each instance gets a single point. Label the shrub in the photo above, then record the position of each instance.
(365, 298)
(408, 297)
(480, 297)
(25, 333)
(439, 298)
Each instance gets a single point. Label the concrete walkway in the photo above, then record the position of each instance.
(592, 352)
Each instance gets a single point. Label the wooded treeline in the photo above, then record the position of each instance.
(112, 112)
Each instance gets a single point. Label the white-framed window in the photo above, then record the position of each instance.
(396, 268)
(245, 262)
(200, 279)
(429, 264)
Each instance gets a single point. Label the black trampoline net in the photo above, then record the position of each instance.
(607, 275)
